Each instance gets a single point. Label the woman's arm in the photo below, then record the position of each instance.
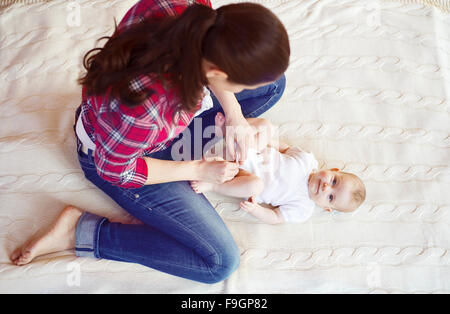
(228, 101)
(241, 132)
(161, 171)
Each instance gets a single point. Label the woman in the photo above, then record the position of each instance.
(140, 91)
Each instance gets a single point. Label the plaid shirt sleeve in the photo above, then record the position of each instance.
(121, 140)
(121, 170)
(157, 9)
(122, 136)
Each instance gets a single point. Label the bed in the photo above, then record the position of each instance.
(368, 91)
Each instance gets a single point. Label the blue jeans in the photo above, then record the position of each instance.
(181, 234)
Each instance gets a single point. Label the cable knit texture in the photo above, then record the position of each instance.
(367, 92)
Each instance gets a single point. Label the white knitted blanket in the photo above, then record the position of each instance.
(367, 92)
(443, 5)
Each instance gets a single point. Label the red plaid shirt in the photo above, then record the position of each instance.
(123, 135)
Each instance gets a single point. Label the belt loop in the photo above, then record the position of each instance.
(78, 143)
(77, 113)
(91, 155)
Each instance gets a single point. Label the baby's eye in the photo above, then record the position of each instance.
(334, 181)
(330, 197)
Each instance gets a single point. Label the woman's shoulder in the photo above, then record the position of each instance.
(163, 101)
(156, 9)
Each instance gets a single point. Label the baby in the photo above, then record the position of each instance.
(286, 178)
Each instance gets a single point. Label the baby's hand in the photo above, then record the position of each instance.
(250, 205)
(266, 215)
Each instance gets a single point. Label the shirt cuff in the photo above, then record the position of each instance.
(139, 177)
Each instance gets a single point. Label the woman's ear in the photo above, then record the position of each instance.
(212, 71)
(216, 73)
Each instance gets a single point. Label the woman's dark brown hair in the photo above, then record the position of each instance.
(245, 40)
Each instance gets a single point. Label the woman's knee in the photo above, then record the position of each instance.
(263, 98)
(228, 261)
(280, 86)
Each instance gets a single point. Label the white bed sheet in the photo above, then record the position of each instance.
(367, 91)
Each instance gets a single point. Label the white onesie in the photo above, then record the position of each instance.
(285, 178)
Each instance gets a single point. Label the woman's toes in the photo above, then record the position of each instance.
(194, 186)
(15, 255)
(24, 258)
(57, 237)
(22, 255)
(219, 119)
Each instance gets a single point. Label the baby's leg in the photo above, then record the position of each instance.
(244, 184)
(266, 133)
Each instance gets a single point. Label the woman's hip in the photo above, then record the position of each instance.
(171, 207)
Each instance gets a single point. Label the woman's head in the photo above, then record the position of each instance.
(237, 46)
(246, 47)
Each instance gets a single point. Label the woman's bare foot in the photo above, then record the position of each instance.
(201, 186)
(58, 237)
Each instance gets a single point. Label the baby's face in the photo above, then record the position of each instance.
(330, 189)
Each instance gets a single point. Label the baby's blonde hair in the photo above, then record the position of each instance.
(358, 192)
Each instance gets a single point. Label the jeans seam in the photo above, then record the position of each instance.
(83, 165)
(200, 239)
(164, 262)
(97, 237)
(263, 108)
(197, 237)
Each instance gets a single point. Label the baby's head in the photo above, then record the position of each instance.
(336, 190)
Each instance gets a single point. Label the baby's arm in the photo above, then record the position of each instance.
(266, 215)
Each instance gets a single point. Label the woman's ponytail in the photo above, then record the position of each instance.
(249, 43)
(245, 40)
(187, 40)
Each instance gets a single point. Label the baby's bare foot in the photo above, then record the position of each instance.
(58, 237)
(219, 121)
(201, 186)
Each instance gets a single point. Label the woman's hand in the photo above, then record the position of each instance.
(217, 170)
(238, 132)
(239, 136)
